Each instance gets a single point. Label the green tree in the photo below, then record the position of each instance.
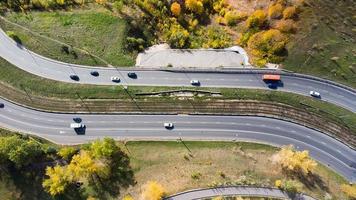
(19, 151)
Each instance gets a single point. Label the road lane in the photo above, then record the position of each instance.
(51, 69)
(55, 127)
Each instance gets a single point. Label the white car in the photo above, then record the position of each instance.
(168, 125)
(314, 94)
(115, 79)
(195, 82)
(77, 125)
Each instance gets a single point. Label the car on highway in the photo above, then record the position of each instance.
(94, 73)
(77, 119)
(2, 105)
(168, 125)
(74, 77)
(315, 94)
(77, 125)
(132, 75)
(195, 82)
(115, 79)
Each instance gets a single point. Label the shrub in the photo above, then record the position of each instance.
(175, 9)
(289, 12)
(176, 35)
(275, 11)
(286, 26)
(153, 191)
(267, 46)
(349, 190)
(195, 6)
(257, 19)
(196, 175)
(233, 17)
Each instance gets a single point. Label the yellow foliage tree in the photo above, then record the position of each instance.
(195, 6)
(349, 190)
(275, 11)
(267, 46)
(153, 191)
(175, 9)
(83, 166)
(289, 12)
(257, 19)
(57, 181)
(293, 160)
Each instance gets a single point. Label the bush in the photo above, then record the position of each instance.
(286, 26)
(257, 19)
(13, 35)
(275, 11)
(289, 12)
(195, 6)
(268, 46)
(233, 17)
(349, 190)
(196, 175)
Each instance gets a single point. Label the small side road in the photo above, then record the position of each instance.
(247, 191)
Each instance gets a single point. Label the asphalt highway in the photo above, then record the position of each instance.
(51, 69)
(56, 127)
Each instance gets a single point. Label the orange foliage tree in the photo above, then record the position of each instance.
(175, 9)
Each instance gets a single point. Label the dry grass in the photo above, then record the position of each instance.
(172, 165)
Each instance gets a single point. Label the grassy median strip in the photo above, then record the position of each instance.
(184, 165)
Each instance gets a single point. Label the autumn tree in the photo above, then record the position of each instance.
(289, 12)
(349, 190)
(176, 35)
(67, 152)
(295, 161)
(267, 46)
(153, 191)
(257, 19)
(175, 9)
(275, 11)
(57, 180)
(101, 166)
(196, 6)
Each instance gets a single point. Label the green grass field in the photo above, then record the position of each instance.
(325, 43)
(94, 30)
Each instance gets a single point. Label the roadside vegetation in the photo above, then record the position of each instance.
(36, 169)
(324, 45)
(263, 28)
(91, 36)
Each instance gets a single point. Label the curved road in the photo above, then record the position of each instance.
(55, 127)
(245, 191)
(48, 68)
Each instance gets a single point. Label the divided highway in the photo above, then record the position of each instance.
(51, 69)
(56, 127)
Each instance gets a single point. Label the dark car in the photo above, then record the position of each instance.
(77, 119)
(94, 73)
(1, 105)
(132, 75)
(74, 77)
